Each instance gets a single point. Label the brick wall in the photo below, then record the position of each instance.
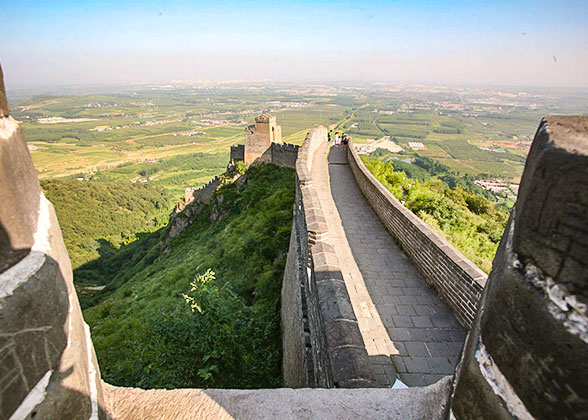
(238, 152)
(284, 154)
(457, 280)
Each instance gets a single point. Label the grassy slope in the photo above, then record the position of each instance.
(92, 214)
(143, 330)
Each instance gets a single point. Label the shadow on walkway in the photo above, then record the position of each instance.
(421, 326)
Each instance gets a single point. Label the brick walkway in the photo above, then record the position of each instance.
(401, 318)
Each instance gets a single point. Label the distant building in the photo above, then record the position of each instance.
(416, 145)
(263, 144)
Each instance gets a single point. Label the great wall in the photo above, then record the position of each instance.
(370, 295)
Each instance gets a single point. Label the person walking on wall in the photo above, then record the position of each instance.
(330, 135)
(345, 140)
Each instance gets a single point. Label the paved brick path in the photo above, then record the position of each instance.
(401, 318)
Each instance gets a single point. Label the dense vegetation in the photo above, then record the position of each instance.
(422, 168)
(468, 219)
(100, 215)
(173, 173)
(164, 320)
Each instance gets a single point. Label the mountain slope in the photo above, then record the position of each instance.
(146, 333)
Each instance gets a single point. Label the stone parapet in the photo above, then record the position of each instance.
(237, 153)
(457, 280)
(525, 356)
(284, 154)
(48, 367)
(428, 403)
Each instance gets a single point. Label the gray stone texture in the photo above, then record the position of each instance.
(259, 138)
(238, 152)
(427, 403)
(4, 108)
(284, 154)
(457, 280)
(294, 363)
(47, 363)
(533, 321)
(19, 195)
(552, 209)
(335, 353)
(422, 332)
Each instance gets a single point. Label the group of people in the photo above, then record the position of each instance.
(338, 137)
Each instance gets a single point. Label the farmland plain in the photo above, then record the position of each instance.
(480, 132)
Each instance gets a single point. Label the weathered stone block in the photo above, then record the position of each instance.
(336, 308)
(19, 195)
(525, 355)
(550, 203)
(342, 332)
(324, 258)
(328, 273)
(350, 363)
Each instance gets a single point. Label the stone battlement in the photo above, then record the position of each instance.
(263, 144)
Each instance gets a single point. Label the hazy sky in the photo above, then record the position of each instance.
(543, 43)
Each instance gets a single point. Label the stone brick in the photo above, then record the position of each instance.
(412, 379)
(341, 332)
(349, 363)
(402, 321)
(421, 321)
(416, 364)
(405, 310)
(439, 349)
(416, 349)
(440, 364)
(336, 308)
(399, 334)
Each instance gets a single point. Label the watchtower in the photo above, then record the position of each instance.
(259, 137)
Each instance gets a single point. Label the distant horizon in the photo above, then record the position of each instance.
(277, 82)
(55, 43)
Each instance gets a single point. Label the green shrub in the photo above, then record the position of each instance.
(465, 218)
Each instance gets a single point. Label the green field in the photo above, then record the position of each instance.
(144, 125)
(138, 124)
(455, 139)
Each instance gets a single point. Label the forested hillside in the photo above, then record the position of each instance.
(97, 215)
(453, 206)
(165, 320)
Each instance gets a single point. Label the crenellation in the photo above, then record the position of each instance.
(263, 144)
